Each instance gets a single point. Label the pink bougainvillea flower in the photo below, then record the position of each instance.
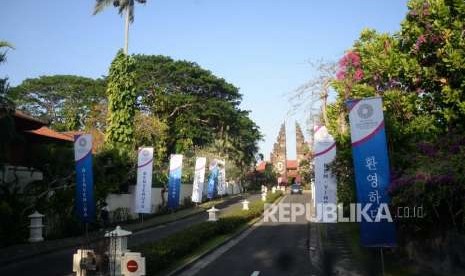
(358, 74)
(354, 58)
(421, 39)
(343, 62)
(340, 75)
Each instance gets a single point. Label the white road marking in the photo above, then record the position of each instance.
(255, 273)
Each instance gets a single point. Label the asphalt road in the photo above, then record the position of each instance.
(272, 248)
(59, 263)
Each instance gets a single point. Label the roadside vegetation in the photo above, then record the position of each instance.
(420, 73)
(166, 253)
(174, 106)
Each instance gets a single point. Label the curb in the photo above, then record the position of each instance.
(246, 227)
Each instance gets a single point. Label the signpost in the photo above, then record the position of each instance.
(132, 266)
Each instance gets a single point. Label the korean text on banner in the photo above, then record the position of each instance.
(371, 163)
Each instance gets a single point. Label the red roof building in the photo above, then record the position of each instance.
(34, 132)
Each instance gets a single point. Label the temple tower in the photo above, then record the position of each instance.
(279, 155)
(300, 143)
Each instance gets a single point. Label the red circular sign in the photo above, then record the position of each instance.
(132, 266)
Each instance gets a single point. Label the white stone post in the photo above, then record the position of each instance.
(264, 196)
(245, 204)
(273, 190)
(36, 227)
(212, 214)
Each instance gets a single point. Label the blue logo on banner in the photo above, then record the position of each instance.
(85, 206)
(213, 182)
(174, 187)
(372, 177)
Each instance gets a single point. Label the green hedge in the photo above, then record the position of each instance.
(161, 254)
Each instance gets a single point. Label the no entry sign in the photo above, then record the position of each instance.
(132, 266)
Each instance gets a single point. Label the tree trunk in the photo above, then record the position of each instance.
(126, 32)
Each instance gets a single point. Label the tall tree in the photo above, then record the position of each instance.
(199, 108)
(7, 108)
(121, 92)
(124, 6)
(4, 44)
(6, 105)
(64, 100)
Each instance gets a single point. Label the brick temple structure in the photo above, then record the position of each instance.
(287, 169)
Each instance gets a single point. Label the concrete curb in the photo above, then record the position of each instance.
(253, 223)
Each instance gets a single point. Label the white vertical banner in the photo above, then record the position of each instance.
(199, 179)
(325, 181)
(143, 202)
(222, 178)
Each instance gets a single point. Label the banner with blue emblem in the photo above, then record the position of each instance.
(143, 195)
(84, 203)
(213, 179)
(371, 164)
(174, 181)
(324, 148)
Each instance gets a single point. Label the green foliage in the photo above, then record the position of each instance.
(13, 228)
(151, 131)
(200, 109)
(419, 72)
(122, 6)
(63, 100)
(433, 179)
(114, 171)
(432, 34)
(7, 107)
(121, 92)
(256, 179)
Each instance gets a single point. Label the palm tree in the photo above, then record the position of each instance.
(126, 6)
(4, 44)
(6, 105)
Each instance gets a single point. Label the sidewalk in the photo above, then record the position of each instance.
(17, 253)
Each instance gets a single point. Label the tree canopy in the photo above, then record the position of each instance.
(197, 106)
(63, 100)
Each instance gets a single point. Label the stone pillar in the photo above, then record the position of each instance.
(212, 214)
(36, 227)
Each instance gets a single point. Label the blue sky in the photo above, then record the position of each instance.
(261, 46)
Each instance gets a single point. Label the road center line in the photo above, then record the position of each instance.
(255, 273)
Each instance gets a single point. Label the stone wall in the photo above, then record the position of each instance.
(123, 204)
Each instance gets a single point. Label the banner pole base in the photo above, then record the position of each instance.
(382, 260)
